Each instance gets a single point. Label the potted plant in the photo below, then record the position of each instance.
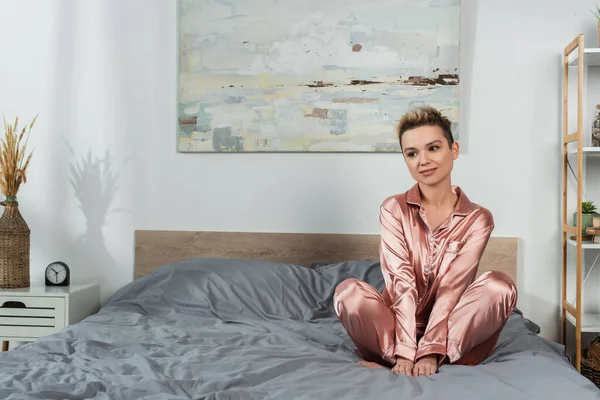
(588, 213)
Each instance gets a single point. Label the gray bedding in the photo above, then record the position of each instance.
(241, 329)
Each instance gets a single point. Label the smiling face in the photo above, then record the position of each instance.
(428, 154)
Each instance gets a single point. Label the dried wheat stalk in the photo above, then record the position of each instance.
(13, 164)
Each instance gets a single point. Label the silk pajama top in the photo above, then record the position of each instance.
(426, 272)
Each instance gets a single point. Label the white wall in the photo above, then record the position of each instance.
(102, 76)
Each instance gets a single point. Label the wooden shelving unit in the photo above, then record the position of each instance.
(576, 55)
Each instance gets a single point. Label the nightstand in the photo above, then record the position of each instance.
(28, 313)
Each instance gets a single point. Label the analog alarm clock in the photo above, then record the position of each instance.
(57, 274)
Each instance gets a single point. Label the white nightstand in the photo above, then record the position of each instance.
(28, 313)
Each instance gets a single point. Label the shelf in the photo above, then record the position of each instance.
(585, 245)
(589, 322)
(591, 57)
(587, 152)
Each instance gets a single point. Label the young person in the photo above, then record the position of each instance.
(432, 310)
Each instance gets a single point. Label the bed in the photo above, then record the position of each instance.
(216, 315)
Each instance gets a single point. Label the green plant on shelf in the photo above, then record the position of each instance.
(588, 207)
(588, 213)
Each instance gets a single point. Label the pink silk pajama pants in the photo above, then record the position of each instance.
(474, 325)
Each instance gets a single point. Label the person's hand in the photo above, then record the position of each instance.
(403, 366)
(426, 366)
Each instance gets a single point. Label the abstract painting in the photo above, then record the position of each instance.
(312, 76)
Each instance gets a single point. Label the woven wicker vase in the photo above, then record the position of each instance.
(14, 247)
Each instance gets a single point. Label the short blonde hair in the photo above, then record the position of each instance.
(423, 116)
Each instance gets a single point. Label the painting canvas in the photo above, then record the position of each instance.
(312, 76)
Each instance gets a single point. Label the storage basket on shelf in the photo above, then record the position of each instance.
(14, 247)
(590, 362)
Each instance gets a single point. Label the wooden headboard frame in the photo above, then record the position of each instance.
(154, 249)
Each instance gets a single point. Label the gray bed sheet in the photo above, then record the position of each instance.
(247, 329)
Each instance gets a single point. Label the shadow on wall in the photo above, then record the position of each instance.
(95, 183)
(542, 312)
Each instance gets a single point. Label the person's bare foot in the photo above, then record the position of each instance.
(426, 366)
(403, 367)
(370, 364)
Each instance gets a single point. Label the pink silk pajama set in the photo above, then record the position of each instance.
(432, 302)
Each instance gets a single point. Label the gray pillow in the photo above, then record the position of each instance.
(226, 287)
(368, 271)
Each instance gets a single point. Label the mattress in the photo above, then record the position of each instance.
(248, 329)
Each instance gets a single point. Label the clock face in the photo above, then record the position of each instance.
(56, 273)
